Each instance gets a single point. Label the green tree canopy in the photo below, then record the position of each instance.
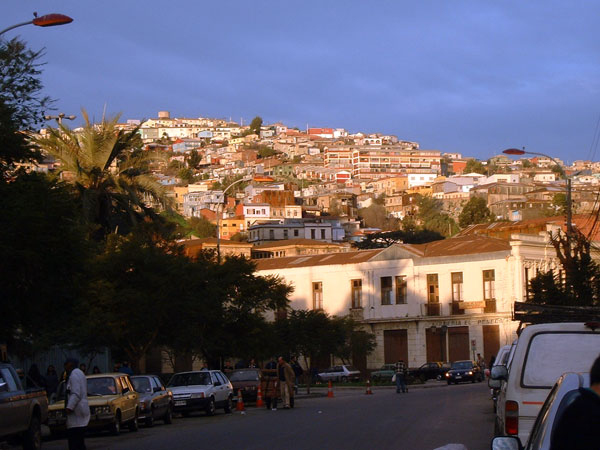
(115, 187)
(474, 212)
(256, 124)
(474, 166)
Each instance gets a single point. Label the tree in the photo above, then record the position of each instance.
(557, 170)
(580, 284)
(375, 215)
(256, 124)
(194, 159)
(475, 211)
(202, 228)
(114, 187)
(432, 219)
(22, 105)
(266, 152)
(43, 259)
(526, 164)
(474, 166)
(385, 239)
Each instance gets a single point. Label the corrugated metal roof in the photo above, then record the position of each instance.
(317, 260)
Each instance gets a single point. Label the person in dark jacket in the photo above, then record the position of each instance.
(34, 378)
(579, 426)
(51, 380)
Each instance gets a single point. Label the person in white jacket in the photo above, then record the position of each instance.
(76, 405)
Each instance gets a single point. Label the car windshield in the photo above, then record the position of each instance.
(243, 375)
(461, 365)
(101, 386)
(351, 369)
(190, 379)
(141, 384)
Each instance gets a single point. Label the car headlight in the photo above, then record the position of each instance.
(198, 395)
(470, 372)
(447, 375)
(102, 410)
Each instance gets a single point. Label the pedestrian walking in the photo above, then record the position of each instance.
(76, 405)
(401, 377)
(297, 372)
(252, 364)
(96, 370)
(286, 382)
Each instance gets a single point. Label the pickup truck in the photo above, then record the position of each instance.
(22, 411)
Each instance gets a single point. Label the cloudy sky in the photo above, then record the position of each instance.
(459, 76)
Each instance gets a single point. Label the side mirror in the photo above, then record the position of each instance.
(499, 373)
(157, 389)
(494, 384)
(217, 383)
(506, 443)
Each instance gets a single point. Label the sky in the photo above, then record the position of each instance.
(474, 77)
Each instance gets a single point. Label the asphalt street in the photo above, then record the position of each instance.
(424, 418)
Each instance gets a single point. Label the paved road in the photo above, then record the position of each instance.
(422, 419)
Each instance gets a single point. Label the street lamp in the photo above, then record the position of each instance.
(49, 20)
(59, 118)
(246, 178)
(516, 151)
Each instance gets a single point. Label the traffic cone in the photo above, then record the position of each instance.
(240, 402)
(259, 400)
(369, 391)
(330, 390)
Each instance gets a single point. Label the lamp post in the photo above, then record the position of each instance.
(246, 178)
(516, 151)
(48, 20)
(59, 118)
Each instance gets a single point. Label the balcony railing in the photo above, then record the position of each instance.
(433, 309)
(456, 310)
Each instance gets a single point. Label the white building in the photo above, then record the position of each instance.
(315, 229)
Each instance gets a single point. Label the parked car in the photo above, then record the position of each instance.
(501, 360)
(156, 402)
(22, 410)
(564, 392)
(341, 373)
(542, 354)
(204, 390)
(245, 381)
(461, 371)
(386, 372)
(112, 399)
(430, 371)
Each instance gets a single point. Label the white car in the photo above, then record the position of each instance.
(542, 354)
(204, 390)
(562, 395)
(341, 373)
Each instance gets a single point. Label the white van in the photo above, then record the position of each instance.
(542, 354)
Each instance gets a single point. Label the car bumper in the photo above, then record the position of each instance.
(189, 404)
(460, 378)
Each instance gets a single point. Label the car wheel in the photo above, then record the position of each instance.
(344, 379)
(133, 425)
(473, 380)
(149, 422)
(168, 419)
(449, 382)
(115, 427)
(228, 405)
(439, 377)
(32, 439)
(423, 378)
(210, 409)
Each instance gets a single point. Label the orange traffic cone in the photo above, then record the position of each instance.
(330, 390)
(240, 402)
(259, 400)
(369, 391)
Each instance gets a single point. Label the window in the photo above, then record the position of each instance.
(356, 286)
(318, 295)
(295, 233)
(285, 234)
(322, 234)
(386, 290)
(457, 286)
(271, 234)
(433, 289)
(312, 233)
(401, 288)
(489, 289)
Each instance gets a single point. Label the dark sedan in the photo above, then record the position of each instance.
(156, 403)
(461, 371)
(246, 381)
(430, 371)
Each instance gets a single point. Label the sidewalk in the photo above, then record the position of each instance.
(321, 391)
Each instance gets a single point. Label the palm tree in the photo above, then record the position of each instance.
(112, 180)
